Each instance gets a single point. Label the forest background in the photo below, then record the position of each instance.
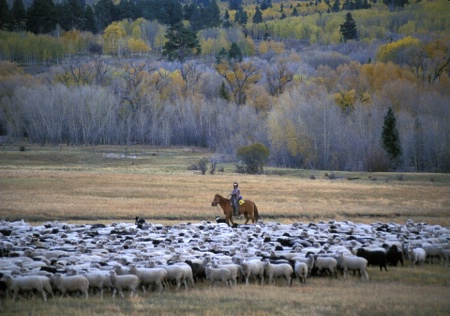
(291, 75)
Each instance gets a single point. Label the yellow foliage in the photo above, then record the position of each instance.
(391, 51)
(345, 99)
(137, 46)
(8, 69)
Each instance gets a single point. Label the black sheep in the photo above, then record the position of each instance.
(393, 255)
(373, 257)
(220, 220)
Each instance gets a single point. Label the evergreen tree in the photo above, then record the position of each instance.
(235, 4)
(348, 28)
(294, 12)
(390, 138)
(241, 17)
(181, 43)
(6, 17)
(89, 20)
(213, 14)
(223, 92)
(257, 18)
(221, 55)
(19, 16)
(336, 6)
(235, 53)
(41, 17)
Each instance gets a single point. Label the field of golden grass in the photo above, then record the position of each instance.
(115, 184)
(118, 183)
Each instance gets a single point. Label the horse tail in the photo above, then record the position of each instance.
(256, 214)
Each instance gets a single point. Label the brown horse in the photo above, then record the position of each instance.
(249, 209)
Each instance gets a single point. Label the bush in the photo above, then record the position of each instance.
(254, 157)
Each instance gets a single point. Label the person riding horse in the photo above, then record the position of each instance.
(235, 195)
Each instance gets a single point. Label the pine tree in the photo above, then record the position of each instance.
(5, 14)
(257, 18)
(41, 17)
(223, 92)
(336, 6)
(235, 53)
(89, 20)
(181, 43)
(390, 138)
(348, 28)
(19, 16)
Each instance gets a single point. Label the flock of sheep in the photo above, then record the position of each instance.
(67, 259)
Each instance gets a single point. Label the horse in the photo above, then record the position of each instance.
(249, 209)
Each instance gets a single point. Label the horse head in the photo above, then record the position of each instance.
(216, 200)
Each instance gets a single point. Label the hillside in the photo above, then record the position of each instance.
(314, 84)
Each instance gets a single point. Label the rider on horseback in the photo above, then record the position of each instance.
(235, 195)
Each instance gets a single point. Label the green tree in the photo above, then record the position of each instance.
(223, 92)
(336, 6)
(257, 18)
(348, 28)
(235, 53)
(89, 20)
(181, 43)
(6, 17)
(254, 157)
(19, 16)
(391, 139)
(241, 17)
(41, 17)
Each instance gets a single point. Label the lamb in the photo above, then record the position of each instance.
(353, 263)
(301, 271)
(278, 270)
(70, 284)
(149, 276)
(26, 283)
(124, 282)
(417, 255)
(214, 273)
(324, 264)
(373, 257)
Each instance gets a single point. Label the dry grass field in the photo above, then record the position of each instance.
(115, 184)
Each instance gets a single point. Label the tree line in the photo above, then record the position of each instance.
(324, 119)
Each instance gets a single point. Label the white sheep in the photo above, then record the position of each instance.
(252, 268)
(326, 263)
(353, 263)
(175, 273)
(128, 282)
(26, 283)
(214, 273)
(301, 271)
(97, 280)
(278, 270)
(417, 255)
(149, 276)
(70, 284)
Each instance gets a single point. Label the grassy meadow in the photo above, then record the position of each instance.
(115, 184)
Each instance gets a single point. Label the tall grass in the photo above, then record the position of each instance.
(118, 183)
